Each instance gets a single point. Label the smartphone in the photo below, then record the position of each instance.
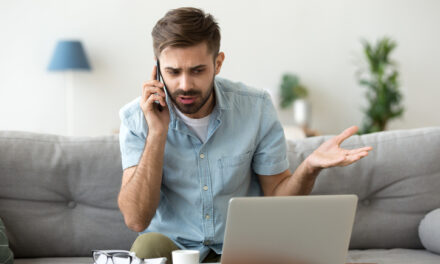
(159, 106)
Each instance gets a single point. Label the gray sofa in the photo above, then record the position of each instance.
(58, 194)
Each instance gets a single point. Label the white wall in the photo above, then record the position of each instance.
(319, 40)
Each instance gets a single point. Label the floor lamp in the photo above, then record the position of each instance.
(69, 56)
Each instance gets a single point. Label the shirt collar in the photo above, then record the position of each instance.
(220, 96)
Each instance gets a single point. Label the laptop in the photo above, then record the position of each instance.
(313, 229)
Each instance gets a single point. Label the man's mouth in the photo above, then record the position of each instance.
(187, 99)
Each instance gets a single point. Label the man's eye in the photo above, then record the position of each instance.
(198, 71)
(173, 72)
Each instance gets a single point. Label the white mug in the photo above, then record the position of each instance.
(185, 256)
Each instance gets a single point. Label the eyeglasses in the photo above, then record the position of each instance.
(115, 257)
(122, 257)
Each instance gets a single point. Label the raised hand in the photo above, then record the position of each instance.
(330, 154)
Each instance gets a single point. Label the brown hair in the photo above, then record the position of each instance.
(186, 26)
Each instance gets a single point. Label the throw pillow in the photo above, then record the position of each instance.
(6, 255)
(429, 231)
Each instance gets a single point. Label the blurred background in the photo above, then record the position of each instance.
(317, 41)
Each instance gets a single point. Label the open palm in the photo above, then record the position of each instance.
(330, 154)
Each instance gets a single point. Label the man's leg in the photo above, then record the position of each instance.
(153, 245)
(212, 257)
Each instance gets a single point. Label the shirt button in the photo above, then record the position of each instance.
(205, 188)
(202, 156)
(207, 217)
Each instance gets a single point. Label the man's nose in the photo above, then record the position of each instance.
(186, 82)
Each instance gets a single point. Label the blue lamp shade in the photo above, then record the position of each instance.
(69, 55)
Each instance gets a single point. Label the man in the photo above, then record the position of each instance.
(213, 140)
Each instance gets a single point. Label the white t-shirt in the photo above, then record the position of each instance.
(198, 125)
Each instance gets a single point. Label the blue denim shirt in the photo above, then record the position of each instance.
(245, 138)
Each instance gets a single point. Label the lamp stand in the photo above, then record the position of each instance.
(69, 99)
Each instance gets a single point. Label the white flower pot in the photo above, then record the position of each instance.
(301, 112)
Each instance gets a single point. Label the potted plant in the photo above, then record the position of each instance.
(293, 93)
(380, 78)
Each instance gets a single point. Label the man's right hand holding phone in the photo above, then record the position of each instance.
(152, 91)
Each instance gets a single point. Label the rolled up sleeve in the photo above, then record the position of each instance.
(131, 143)
(270, 156)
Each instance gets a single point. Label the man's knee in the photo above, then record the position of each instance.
(153, 245)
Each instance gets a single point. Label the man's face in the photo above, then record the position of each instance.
(189, 74)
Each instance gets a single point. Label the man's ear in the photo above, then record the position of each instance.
(219, 62)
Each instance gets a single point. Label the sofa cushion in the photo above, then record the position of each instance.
(6, 255)
(429, 231)
(397, 183)
(74, 260)
(58, 195)
(392, 256)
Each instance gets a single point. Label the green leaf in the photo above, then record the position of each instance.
(290, 89)
(383, 94)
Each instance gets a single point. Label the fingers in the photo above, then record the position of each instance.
(349, 159)
(151, 101)
(153, 73)
(151, 93)
(359, 154)
(346, 134)
(152, 87)
(359, 150)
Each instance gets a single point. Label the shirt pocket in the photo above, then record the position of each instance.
(235, 172)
